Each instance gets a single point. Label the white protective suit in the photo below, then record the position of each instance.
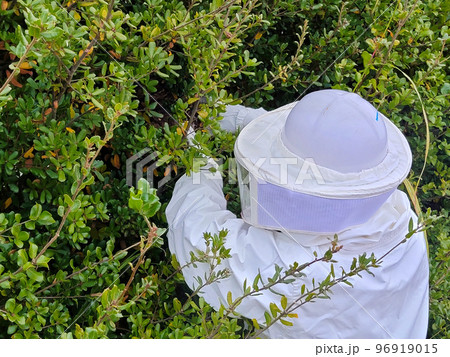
(391, 304)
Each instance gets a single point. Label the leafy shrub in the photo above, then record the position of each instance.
(86, 85)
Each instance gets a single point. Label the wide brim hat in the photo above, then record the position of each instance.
(262, 151)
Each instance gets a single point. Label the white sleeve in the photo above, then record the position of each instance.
(198, 207)
(237, 117)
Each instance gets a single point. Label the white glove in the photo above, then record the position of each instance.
(237, 117)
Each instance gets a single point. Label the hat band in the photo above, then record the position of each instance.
(274, 207)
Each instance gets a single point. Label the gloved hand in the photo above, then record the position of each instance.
(237, 117)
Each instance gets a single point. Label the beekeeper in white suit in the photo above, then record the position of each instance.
(328, 164)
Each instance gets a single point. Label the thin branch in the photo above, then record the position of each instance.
(87, 166)
(86, 268)
(22, 59)
(85, 53)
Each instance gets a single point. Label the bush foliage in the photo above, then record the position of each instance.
(85, 85)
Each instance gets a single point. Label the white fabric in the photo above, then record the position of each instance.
(339, 129)
(237, 117)
(392, 304)
(261, 141)
(271, 206)
(321, 164)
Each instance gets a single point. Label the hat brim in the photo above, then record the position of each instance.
(260, 142)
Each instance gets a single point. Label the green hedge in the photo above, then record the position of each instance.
(86, 85)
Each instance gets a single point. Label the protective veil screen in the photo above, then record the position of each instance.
(274, 207)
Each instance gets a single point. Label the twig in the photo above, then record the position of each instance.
(86, 51)
(13, 73)
(86, 268)
(152, 234)
(88, 164)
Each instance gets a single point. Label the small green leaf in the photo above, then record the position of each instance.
(274, 310)
(68, 200)
(61, 176)
(32, 251)
(283, 302)
(46, 218)
(366, 58)
(10, 305)
(120, 36)
(286, 323)
(176, 304)
(42, 261)
(97, 103)
(60, 211)
(229, 298)
(268, 318)
(410, 225)
(31, 225)
(135, 203)
(149, 210)
(35, 211)
(34, 275)
(193, 100)
(5, 285)
(76, 205)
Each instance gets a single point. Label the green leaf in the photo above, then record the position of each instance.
(23, 236)
(366, 58)
(61, 211)
(274, 310)
(31, 225)
(97, 103)
(35, 211)
(120, 36)
(68, 200)
(229, 298)
(176, 304)
(193, 100)
(135, 203)
(22, 257)
(42, 261)
(45, 219)
(10, 305)
(76, 205)
(286, 323)
(32, 251)
(61, 176)
(5, 285)
(268, 318)
(34, 275)
(149, 210)
(283, 302)
(51, 34)
(445, 89)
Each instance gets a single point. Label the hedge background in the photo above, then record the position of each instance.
(84, 85)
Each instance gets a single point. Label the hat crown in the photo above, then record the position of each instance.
(339, 130)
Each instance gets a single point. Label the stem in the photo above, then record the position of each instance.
(401, 23)
(13, 73)
(86, 268)
(87, 166)
(74, 68)
(152, 234)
